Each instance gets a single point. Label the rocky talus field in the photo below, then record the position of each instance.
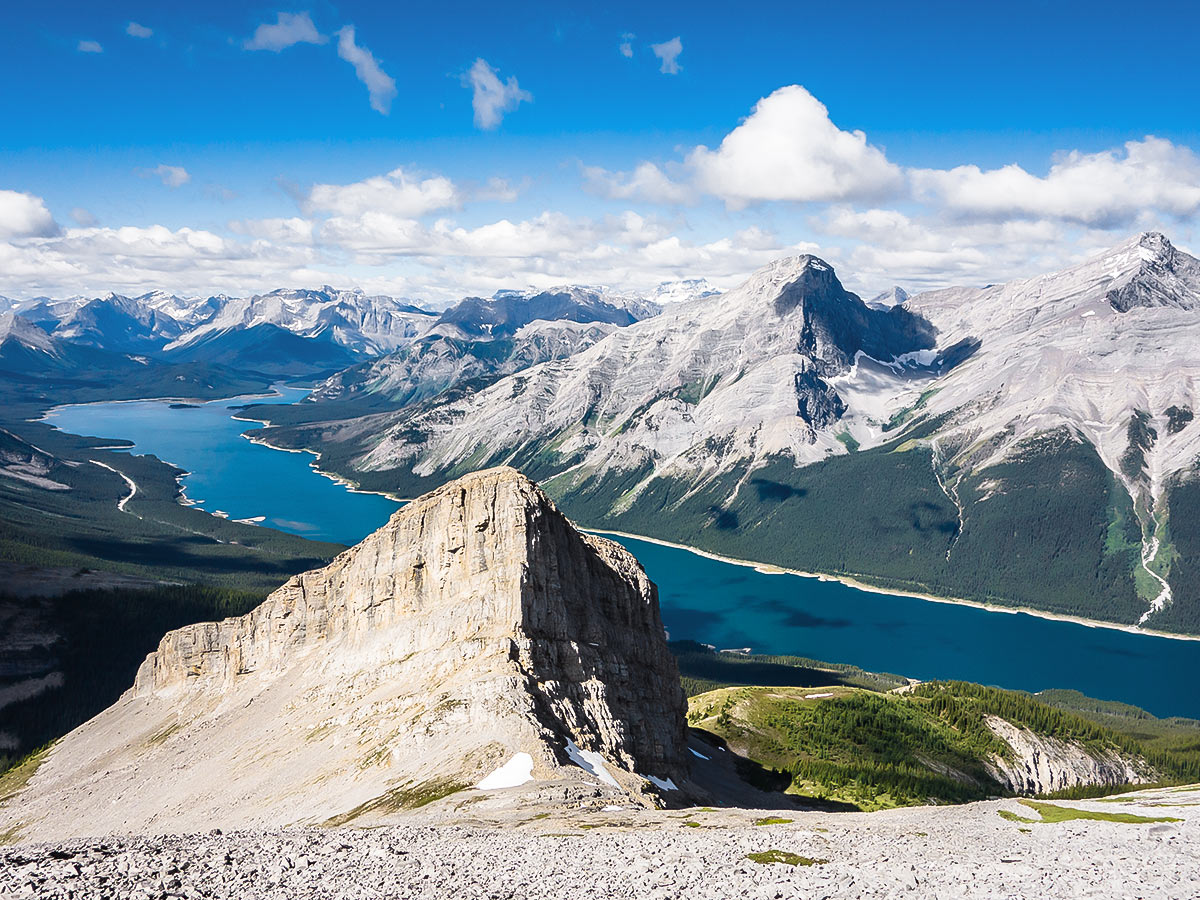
(952, 853)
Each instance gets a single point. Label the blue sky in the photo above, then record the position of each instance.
(179, 146)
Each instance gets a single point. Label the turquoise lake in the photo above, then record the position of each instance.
(707, 600)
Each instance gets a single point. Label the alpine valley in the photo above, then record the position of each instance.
(1028, 444)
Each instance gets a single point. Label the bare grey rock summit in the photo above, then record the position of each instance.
(477, 639)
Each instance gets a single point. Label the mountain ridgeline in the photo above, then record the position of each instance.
(1026, 444)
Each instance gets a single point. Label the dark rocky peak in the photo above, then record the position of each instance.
(838, 324)
(1158, 275)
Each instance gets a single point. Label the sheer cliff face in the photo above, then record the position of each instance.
(1041, 764)
(476, 625)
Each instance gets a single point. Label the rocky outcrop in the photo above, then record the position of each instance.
(1042, 765)
(1165, 277)
(477, 626)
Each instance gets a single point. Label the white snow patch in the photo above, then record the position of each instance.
(513, 773)
(663, 784)
(916, 357)
(591, 762)
(698, 754)
(1088, 314)
(611, 808)
(816, 696)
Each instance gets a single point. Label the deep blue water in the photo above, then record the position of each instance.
(703, 599)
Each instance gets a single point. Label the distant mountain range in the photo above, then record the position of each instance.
(297, 333)
(1029, 443)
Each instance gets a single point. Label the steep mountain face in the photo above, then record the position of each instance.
(349, 319)
(266, 348)
(739, 376)
(120, 324)
(1040, 764)
(435, 362)
(504, 314)
(479, 340)
(476, 639)
(969, 413)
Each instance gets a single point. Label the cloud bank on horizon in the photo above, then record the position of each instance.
(787, 178)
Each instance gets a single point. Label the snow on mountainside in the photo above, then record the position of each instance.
(368, 325)
(1088, 347)
(16, 331)
(484, 339)
(790, 365)
(670, 292)
(430, 364)
(893, 296)
(740, 375)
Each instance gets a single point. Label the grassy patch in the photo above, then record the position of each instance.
(407, 796)
(772, 820)
(10, 835)
(848, 441)
(161, 736)
(1014, 817)
(692, 824)
(768, 857)
(1052, 813)
(12, 781)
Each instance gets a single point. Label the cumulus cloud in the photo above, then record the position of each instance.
(24, 215)
(171, 176)
(293, 230)
(380, 86)
(289, 29)
(492, 98)
(497, 189)
(1107, 189)
(647, 182)
(83, 217)
(133, 29)
(89, 47)
(625, 48)
(789, 149)
(397, 193)
(668, 52)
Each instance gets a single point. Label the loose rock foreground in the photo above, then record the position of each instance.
(948, 852)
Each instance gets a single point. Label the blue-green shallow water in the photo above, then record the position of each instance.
(702, 599)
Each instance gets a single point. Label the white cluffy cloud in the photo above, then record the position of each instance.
(89, 47)
(133, 29)
(24, 215)
(788, 149)
(397, 193)
(171, 176)
(625, 48)
(492, 97)
(380, 86)
(646, 182)
(668, 52)
(289, 29)
(1107, 189)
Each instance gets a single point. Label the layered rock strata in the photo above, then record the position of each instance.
(477, 625)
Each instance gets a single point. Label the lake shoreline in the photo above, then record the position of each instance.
(773, 569)
(764, 567)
